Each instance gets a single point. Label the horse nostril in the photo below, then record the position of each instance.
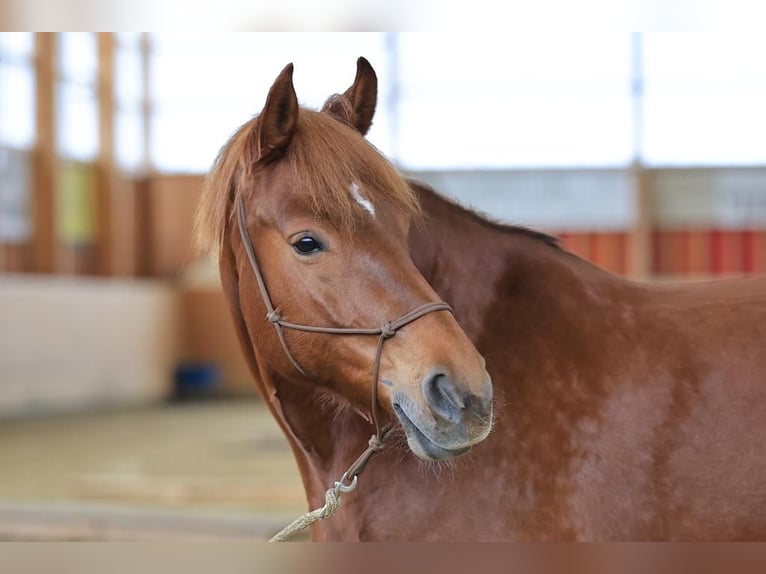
(444, 398)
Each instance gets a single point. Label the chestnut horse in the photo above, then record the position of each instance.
(622, 410)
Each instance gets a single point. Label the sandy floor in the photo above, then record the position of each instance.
(196, 470)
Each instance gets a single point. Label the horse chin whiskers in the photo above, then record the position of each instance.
(428, 469)
(398, 441)
(488, 421)
(438, 469)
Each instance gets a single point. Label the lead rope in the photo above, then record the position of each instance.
(348, 480)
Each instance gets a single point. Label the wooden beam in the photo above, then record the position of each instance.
(44, 170)
(641, 236)
(144, 241)
(105, 165)
(146, 103)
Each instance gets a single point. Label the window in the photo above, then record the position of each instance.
(17, 135)
(480, 100)
(17, 85)
(704, 99)
(129, 101)
(77, 132)
(489, 100)
(76, 96)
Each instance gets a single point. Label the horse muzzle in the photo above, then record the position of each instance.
(446, 419)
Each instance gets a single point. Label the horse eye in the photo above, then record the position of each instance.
(307, 245)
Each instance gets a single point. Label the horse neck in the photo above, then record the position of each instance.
(507, 284)
(326, 434)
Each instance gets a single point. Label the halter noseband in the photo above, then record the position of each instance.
(385, 331)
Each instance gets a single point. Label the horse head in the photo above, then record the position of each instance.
(325, 217)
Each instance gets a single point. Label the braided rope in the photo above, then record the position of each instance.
(331, 506)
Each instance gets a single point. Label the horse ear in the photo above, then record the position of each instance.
(357, 104)
(279, 117)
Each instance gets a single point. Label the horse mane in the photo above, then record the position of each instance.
(324, 157)
(492, 223)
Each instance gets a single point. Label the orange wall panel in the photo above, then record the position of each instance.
(172, 201)
(669, 252)
(578, 244)
(608, 251)
(728, 252)
(698, 250)
(755, 251)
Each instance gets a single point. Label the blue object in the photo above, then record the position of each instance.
(196, 380)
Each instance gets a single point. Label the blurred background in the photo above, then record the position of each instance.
(126, 410)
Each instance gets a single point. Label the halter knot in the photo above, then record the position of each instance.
(274, 316)
(375, 444)
(386, 331)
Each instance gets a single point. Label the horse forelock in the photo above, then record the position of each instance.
(326, 160)
(329, 159)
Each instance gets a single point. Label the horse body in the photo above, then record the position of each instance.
(625, 411)
(622, 411)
